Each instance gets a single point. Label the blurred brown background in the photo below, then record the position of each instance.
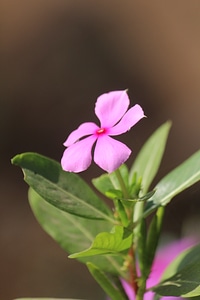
(57, 57)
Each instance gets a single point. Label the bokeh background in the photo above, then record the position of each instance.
(57, 57)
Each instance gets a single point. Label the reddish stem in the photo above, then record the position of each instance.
(132, 271)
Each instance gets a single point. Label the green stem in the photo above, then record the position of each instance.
(129, 211)
(151, 246)
(141, 290)
(122, 184)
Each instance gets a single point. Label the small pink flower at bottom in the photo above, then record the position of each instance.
(115, 118)
(164, 257)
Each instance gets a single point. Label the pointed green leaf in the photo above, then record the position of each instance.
(66, 191)
(113, 292)
(185, 258)
(153, 236)
(141, 247)
(71, 232)
(122, 214)
(107, 243)
(114, 194)
(184, 276)
(109, 182)
(182, 177)
(149, 158)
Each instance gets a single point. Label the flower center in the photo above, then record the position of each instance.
(101, 131)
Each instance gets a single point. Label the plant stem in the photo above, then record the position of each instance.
(141, 290)
(132, 265)
(132, 271)
(122, 184)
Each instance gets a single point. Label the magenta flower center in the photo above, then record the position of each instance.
(101, 131)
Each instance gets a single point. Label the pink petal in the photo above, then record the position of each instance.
(129, 291)
(131, 117)
(111, 107)
(150, 296)
(83, 130)
(147, 296)
(77, 157)
(165, 255)
(109, 154)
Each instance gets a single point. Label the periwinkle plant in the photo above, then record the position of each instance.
(117, 245)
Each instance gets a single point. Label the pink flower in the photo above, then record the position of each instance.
(109, 154)
(164, 257)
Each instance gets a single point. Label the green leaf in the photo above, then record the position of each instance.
(109, 182)
(46, 299)
(141, 247)
(107, 243)
(112, 291)
(121, 212)
(71, 232)
(66, 191)
(153, 237)
(185, 258)
(149, 158)
(184, 276)
(182, 177)
(114, 194)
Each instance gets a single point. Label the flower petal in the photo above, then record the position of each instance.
(128, 289)
(131, 117)
(83, 130)
(111, 107)
(165, 255)
(110, 154)
(77, 157)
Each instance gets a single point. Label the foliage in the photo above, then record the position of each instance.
(114, 242)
